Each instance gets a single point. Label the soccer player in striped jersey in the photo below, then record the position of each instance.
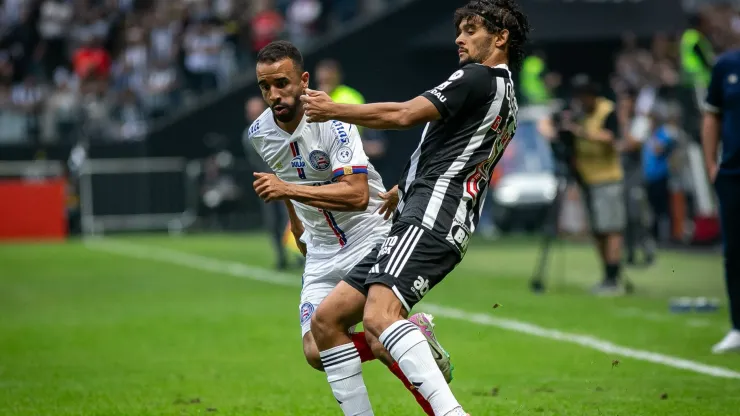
(470, 119)
(332, 192)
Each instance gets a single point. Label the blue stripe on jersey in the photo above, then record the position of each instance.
(335, 227)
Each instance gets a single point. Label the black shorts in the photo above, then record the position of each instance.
(411, 262)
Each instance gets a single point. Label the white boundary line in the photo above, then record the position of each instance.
(243, 271)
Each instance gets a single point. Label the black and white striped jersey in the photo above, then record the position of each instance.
(444, 184)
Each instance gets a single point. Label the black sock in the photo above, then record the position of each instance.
(612, 273)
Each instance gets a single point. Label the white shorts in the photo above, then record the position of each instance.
(322, 274)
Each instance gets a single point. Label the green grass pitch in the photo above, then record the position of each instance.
(154, 325)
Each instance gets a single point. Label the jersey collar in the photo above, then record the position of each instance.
(298, 131)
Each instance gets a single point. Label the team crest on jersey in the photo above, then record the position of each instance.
(306, 312)
(298, 162)
(319, 160)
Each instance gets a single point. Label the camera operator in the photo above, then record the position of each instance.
(588, 130)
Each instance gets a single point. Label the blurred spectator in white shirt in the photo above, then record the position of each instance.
(303, 19)
(63, 107)
(203, 43)
(28, 98)
(54, 23)
(160, 85)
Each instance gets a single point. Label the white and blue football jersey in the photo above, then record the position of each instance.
(319, 154)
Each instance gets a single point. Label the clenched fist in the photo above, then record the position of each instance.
(269, 187)
(318, 106)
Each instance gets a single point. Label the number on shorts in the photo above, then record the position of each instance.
(388, 245)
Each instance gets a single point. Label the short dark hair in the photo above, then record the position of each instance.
(279, 50)
(498, 15)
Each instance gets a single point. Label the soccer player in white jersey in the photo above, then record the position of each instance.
(335, 200)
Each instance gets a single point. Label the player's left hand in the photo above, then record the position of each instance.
(269, 187)
(317, 105)
(390, 202)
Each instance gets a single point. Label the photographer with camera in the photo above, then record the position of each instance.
(586, 135)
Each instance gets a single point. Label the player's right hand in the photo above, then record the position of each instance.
(317, 105)
(390, 202)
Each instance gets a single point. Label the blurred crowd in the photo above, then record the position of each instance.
(658, 86)
(105, 69)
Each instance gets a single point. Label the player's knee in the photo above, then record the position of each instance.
(381, 310)
(320, 324)
(326, 322)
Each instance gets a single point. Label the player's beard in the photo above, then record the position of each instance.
(484, 51)
(287, 116)
(292, 112)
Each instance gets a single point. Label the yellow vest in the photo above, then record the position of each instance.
(694, 70)
(533, 88)
(347, 95)
(597, 162)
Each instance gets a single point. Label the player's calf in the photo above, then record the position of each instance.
(311, 352)
(385, 317)
(340, 357)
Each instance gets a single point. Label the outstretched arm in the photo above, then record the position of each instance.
(350, 193)
(465, 89)
(381, 116)
(296, 227)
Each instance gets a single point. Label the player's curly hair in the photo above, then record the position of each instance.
(498, 15)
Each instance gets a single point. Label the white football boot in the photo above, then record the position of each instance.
(731, 342)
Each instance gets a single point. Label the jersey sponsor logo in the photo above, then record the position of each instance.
(459, 235)
(438, 94)
(420, 287)
(388, 245)
(436, 91)
(306, 312)
(298, 162)
(341, 133)
(319, 160)
(279, 165)
(344, 154)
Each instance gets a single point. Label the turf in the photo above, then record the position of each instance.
(85, 332)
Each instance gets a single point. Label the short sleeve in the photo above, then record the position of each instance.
(253, 157)
(467, 87)
(345, 150)
(713, 103)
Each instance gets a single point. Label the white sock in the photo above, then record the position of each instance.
(410, 349)
(343, 369)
